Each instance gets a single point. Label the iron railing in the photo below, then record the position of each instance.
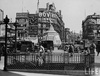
(50, 61)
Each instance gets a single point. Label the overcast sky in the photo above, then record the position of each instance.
(73, 11)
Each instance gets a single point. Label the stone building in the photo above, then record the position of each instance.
(49, 15)
(22, 20)
(91, 27)
(35, 25)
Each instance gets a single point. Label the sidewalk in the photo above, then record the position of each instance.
(16, 73)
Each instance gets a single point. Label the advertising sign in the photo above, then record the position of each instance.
(2, 31)
(46, 17)
(21, 15)
(98, 21)
(33, 30)
(33, 19)
(21, 21)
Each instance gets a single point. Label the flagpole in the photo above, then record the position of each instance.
(38, 6)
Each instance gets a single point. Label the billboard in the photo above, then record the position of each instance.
(2, 31)
(21, 15)
(33, 19)
(33, 30)
(47, 16)
(98, 21)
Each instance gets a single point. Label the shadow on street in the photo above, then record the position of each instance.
(7, 73)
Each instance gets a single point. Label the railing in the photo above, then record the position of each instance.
(57, 61)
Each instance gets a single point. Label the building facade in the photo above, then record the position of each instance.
(91, 27)
(2, 28)
(35, 25)
(49, 15)
(23, 21)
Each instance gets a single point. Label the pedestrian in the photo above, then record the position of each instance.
(71, 50)
(41, 55)
(98, 49)
(77, 49)
(92, 52)
(92, 48)
(66, 48)
(41, 49)
(86, 51)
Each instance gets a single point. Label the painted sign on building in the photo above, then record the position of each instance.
(33, 19)
(98, 21)
(21, 15)
(46, 17)
(33, 30)
(2, 30)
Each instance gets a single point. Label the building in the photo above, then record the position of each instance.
(49, 15)
(35, 25)
(10, 27)
(91, 27)
(27, 28)
(22, 20)
(1, 21)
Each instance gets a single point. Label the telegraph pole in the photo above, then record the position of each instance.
(6, 21)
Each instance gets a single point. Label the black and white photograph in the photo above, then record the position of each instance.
(49, 37)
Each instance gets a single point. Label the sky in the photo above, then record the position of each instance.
(73, 11)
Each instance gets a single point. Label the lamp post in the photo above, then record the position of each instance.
(6, 21)
(15, 24)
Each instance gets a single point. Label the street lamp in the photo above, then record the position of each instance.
(6, 21)
(15, 24)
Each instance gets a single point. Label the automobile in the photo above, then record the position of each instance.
(47, 44)
(25, 46)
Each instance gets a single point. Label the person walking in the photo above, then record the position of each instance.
(40, 57)
(92, 48)
(41, 49)
(98, 49)
(71, 50)
(92, 53)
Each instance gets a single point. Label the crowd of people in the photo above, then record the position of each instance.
(90, 49)
(71, 49)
